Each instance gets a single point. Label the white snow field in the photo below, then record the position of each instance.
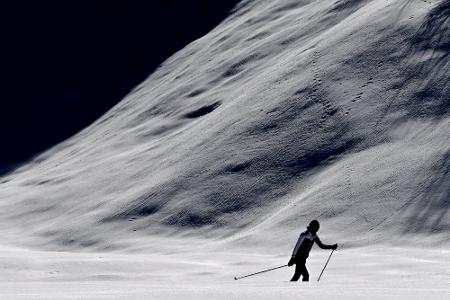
(288, 111)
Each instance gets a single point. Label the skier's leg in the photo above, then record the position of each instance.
(297, 273)
(305, 273)
(300, 270)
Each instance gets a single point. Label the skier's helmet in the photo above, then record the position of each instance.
(314, 226)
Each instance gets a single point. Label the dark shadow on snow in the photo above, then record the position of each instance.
(204, 110)
(431, 207)
(432, 41)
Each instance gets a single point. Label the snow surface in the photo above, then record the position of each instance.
(288, 111)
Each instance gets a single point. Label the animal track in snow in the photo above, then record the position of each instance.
(347, 179)
(360, 94)
(327, 108)
(349, 190)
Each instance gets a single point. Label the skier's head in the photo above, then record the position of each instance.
(313, 226)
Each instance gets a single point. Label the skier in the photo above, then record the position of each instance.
(302, 248)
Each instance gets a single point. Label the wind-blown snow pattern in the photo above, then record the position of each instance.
(288, 111)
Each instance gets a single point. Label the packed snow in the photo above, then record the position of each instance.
(288, 111)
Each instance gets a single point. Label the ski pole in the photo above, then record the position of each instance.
(329, 257)
(236, 278)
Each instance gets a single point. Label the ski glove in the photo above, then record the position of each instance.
(334, 246)
(291, 262)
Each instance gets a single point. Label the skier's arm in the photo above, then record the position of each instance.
(324, 246)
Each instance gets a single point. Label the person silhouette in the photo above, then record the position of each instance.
(302, 248)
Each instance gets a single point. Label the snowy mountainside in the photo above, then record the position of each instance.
(287, 111)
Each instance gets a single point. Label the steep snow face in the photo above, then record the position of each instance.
(287, 111)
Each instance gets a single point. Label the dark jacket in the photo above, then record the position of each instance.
(304, 244)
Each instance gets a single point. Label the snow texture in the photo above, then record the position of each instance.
(288, 111)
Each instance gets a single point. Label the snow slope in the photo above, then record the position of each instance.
(287, 111)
